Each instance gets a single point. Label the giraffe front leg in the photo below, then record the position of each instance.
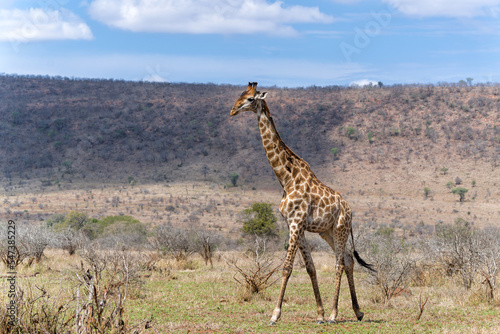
(287, 270)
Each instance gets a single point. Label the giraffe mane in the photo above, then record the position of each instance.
(289, 152)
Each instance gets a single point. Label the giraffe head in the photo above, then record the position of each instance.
(249, 100)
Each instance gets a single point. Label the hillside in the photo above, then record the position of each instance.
(388, 142)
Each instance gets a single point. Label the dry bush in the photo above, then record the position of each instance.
(468, 253)
(104, 282)
(205, 243)
(95, 303)
(259, 272)
(70, 240)
(394, 262)
(31, 242)
(171, 241)
(40, 312)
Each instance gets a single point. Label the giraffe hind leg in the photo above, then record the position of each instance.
(349, 270)
(311, 270)
(338, 248)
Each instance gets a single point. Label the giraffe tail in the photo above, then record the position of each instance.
(359, 259)
(363, 263)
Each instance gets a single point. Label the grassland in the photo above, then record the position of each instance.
(208, 300)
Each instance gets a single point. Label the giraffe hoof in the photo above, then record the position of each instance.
(320, 322)
(332, 322)
(272, 323)
(360, 317)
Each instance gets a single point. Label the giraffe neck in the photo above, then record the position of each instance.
(280, 157)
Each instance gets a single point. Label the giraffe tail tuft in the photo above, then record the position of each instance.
(363, 263)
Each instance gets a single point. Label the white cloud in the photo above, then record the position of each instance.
(447, 8)
(364, 82)
(205, 16)
(36, 24)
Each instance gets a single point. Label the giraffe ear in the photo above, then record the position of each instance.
(261, 96)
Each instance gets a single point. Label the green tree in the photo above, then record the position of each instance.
(427, 191)
(461, 192)
(260, 220)
(352, 133)
(370, 137)
(74, 220)
(335, 152)
(234, 179)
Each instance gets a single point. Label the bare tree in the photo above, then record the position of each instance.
(35, 238)
(70, 240)
(104, 280)
(457, 249)
(31, 242)
(205, 243)
(394, 262)
(489, 256)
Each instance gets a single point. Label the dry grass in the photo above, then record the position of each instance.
(199, 299)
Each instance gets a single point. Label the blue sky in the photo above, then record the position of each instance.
(285, 43)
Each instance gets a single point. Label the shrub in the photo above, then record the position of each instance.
(167, 240)
(352, 133)
(120, 228)
(234, 179)
(258, 274)
(461, 192)
(334, 151)
(260, 220)
(427, 191)
(392, 260)
(456, 249)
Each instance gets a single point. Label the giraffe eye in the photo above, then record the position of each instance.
(251, 99)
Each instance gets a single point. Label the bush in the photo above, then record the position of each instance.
(73, 220)
(167, 240)
(205, 243)
(260, 220)
(118, 229)
(457, 250)
(259, 273)
(234, 179)
(392, 260)
(461, 192)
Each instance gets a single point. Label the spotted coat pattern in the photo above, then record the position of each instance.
(307, 205)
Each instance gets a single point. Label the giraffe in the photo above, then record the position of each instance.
(307, 205)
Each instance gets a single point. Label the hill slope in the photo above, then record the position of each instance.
(371, 144)
(106, 128)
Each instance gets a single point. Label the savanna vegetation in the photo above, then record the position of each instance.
(179, 280)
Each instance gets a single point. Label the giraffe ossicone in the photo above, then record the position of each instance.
(307, 205)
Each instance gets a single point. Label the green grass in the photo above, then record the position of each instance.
(207, 300)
